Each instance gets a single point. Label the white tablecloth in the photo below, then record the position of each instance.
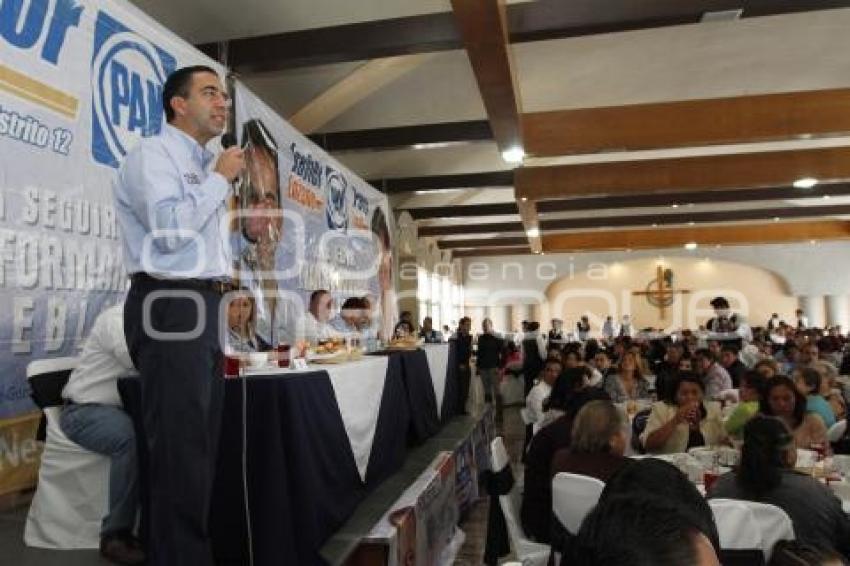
(438, 364)
(358, 387)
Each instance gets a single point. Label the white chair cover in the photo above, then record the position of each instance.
(774, 523)
(72, 495)
(837, 430)
(573, 496)
(530, 553)
(736, 524)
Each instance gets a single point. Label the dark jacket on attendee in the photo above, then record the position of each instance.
(665, 378)
(536, 507)
(736, 370)
(600, 466)
(813, 508)
(489, 351)
(464, 348)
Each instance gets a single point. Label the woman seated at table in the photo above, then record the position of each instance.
(783, 400)
(683, 421)
(241, 318)
(598, 441)
(767, 367)
(751, 390)
(567, 399)
(628, 384)
(766, 474)
(808, 382)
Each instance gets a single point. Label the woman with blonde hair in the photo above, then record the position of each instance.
(628, 384)
(241, 325)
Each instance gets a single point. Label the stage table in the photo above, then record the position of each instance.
(318, 442)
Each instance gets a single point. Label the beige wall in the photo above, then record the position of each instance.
(752, 292)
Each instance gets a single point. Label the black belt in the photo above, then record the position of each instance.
(218, 286)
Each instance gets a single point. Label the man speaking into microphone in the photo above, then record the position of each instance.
(170, 202)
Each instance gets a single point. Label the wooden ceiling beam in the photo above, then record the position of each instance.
(528, 21)
(707, 197)
(393, 185)
(757, 214)
(462, 211)
(683, 175)
(515, 250)
(478, 243)
(463, 229)
(768, 233)
(484, 30)
(741, 119)
(401, 137)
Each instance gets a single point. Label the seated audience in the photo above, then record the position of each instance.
(714, 377)
(684, 420)
(642, 530)
(767, 367)
(94, 418)
(241, 331)
(751, 392)
(667, 370)
(628, 383)
(567, 400)
(731, 363)
(404, 327)
(597, 445)
(808, 382)
(766, 474)
(783, 400)
(429, 333)
(317, 320)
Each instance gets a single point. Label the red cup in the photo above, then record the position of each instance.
(283, 351)
(708, 479)
(231, 366)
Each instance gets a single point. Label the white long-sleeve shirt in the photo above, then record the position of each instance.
(105, 358)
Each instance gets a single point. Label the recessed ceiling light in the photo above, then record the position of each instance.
(776, 219)
(805, 183)
(524, 199)
(813, 242)
(691, 246)
(825, 197)
(655, 225)
(513, 155)
(691, 223)
(533, 233)
(674, 205)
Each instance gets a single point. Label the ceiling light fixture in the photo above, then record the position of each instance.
(533, 233)
(805, 183)
(826, 197)
(513, 155)
(674, 205)
(691, 246)
(524, 199)
(776, 219)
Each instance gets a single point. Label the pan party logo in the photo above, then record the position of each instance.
(127, 76)
(336, 208)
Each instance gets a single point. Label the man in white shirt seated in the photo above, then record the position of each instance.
(93, 417)
(540, 392)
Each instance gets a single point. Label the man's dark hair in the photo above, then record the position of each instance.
(315, 296)
(730, 348)
(178, 83)
(705, 353)
(811, 378)
(638, 530)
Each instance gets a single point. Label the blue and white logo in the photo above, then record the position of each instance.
(127, 76)
(336, 208)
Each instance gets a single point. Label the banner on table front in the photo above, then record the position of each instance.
(305, 223)
(80, 83)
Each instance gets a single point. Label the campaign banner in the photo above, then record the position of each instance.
(80, 83)
(305, 223)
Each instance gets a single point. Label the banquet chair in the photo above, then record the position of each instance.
(573, 496)
(527, 551)
(71, 497)
(837, 430)
(747, 525)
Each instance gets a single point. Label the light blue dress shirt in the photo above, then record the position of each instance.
(171, 209)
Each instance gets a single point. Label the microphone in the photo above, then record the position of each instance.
(228, 140)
